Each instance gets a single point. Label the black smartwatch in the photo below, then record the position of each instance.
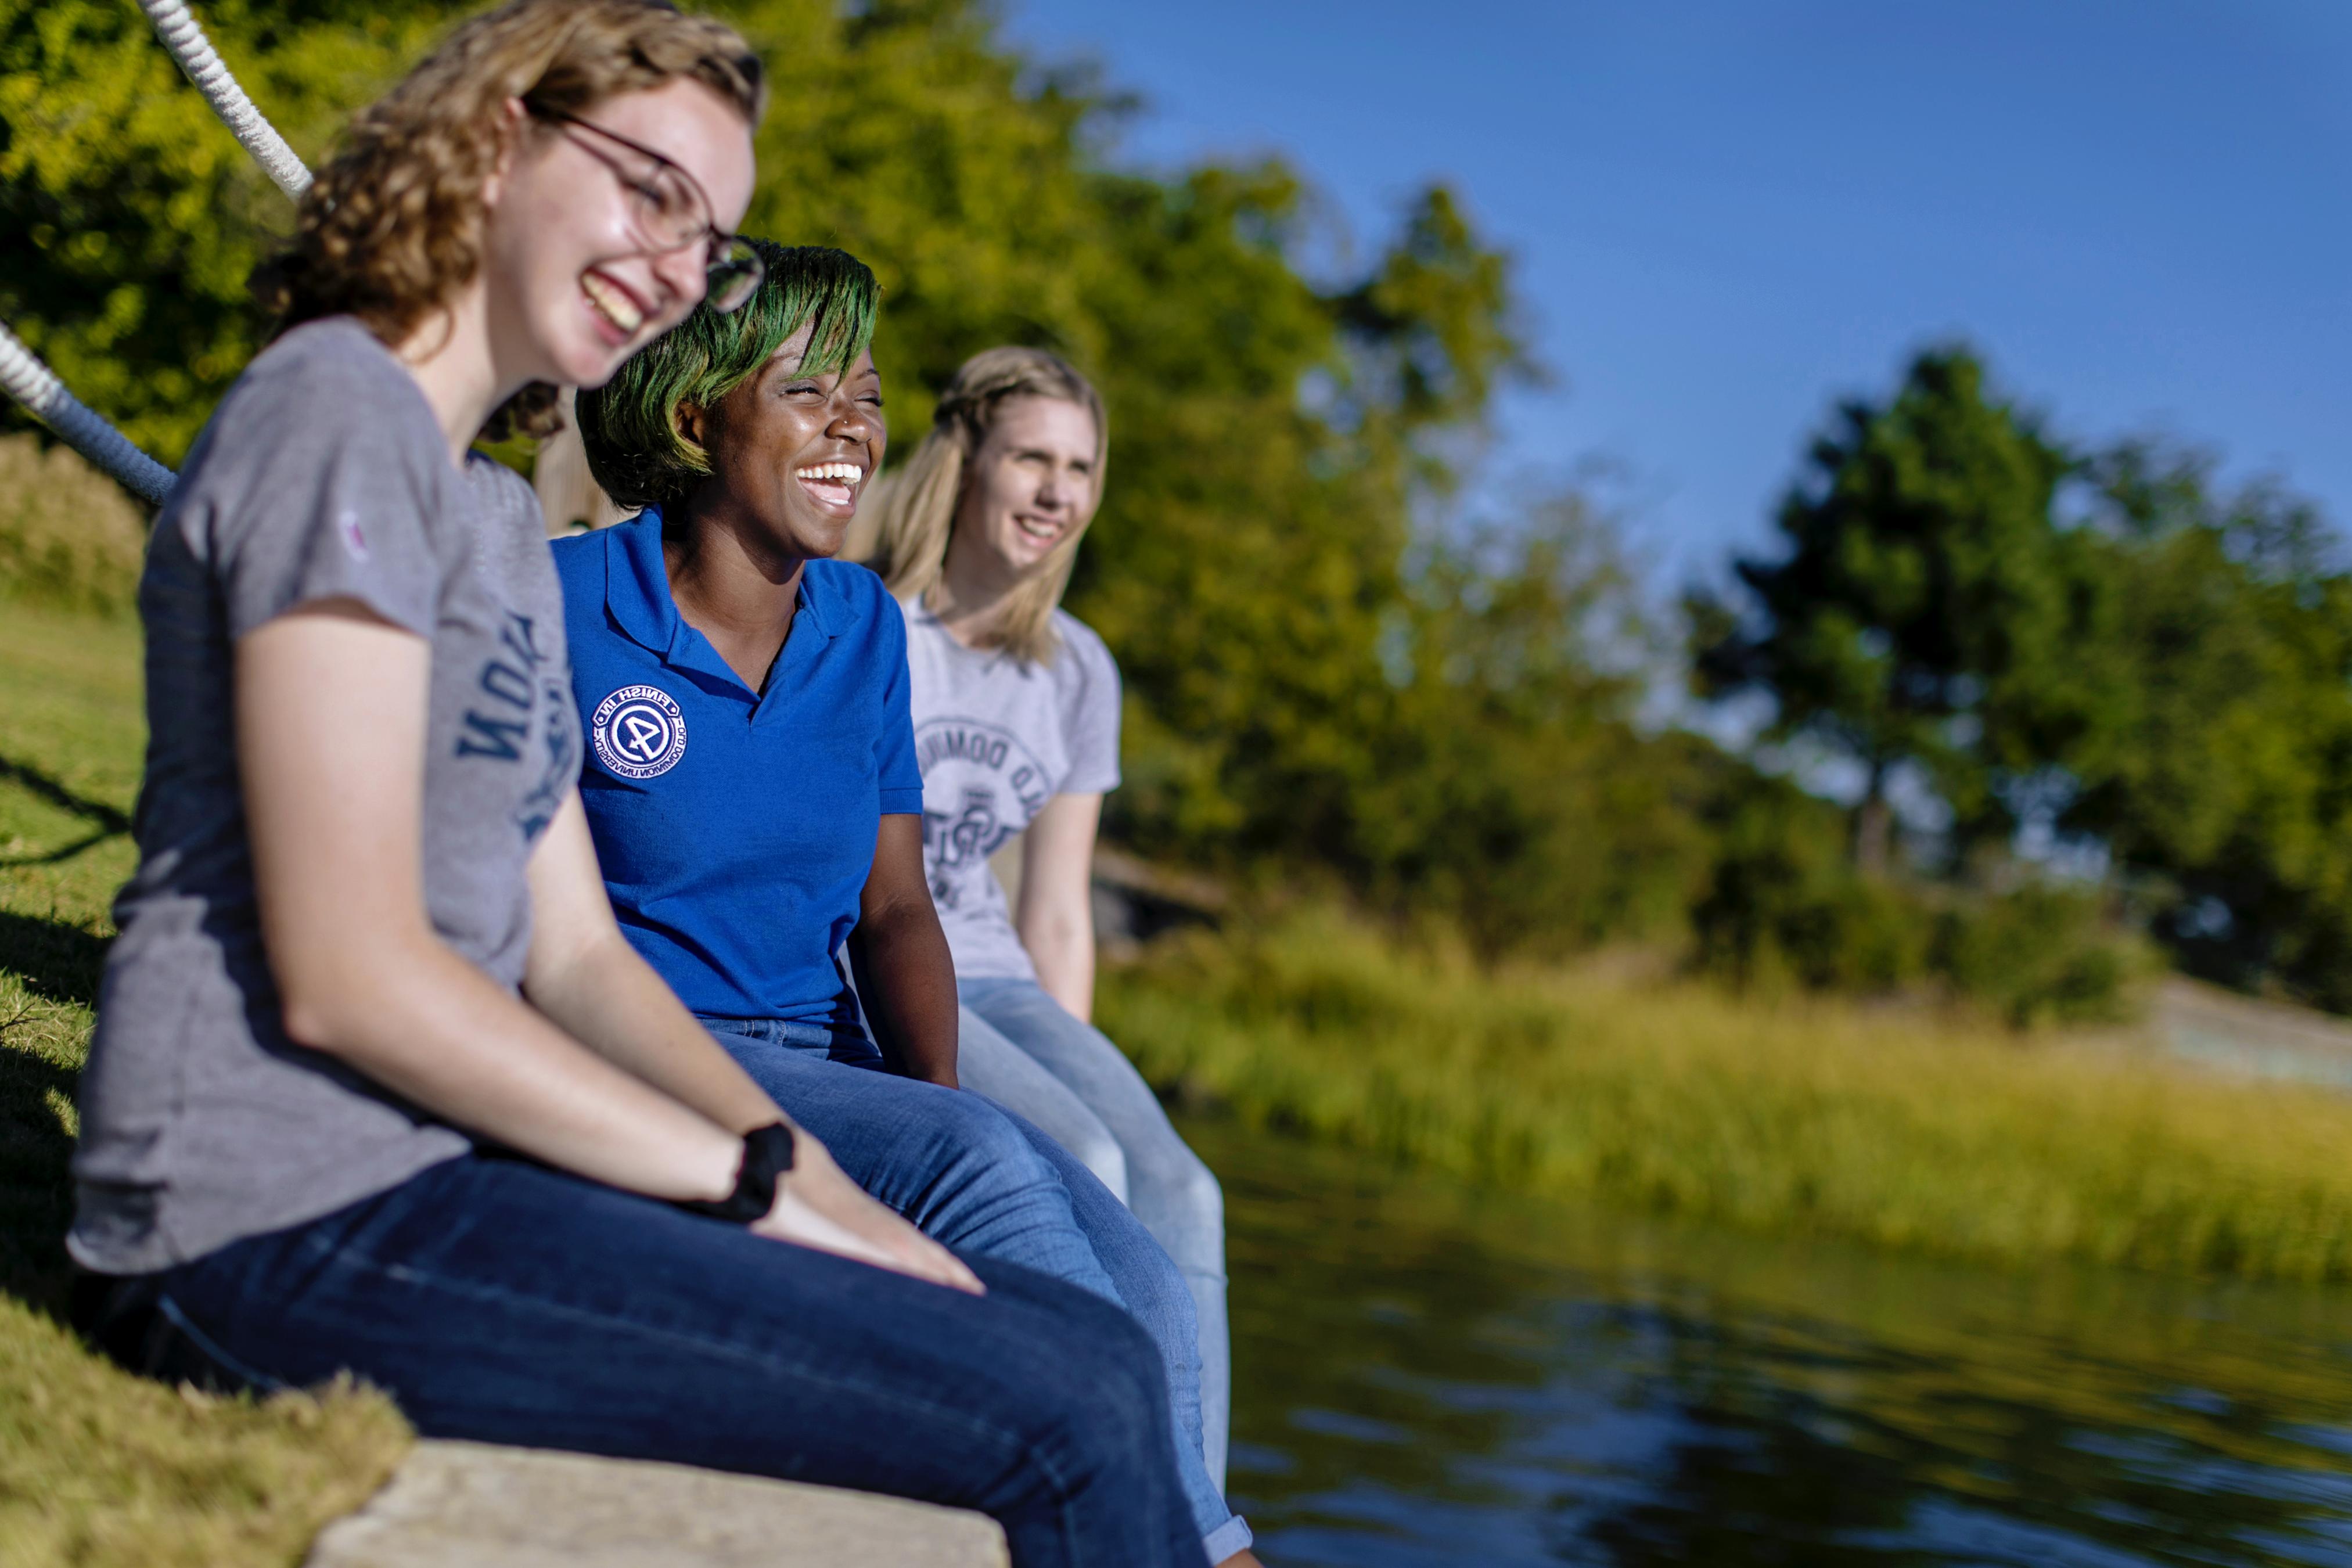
(767, 1154)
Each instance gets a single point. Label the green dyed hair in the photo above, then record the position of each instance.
(629, 425)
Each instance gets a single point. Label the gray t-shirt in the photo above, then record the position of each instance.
(997, 738)
(324, 474)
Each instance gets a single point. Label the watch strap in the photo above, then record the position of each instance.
(767, 1155)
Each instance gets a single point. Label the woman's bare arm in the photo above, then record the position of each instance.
(330, 736)
(585, 977)
(1056, 918)
(905, 973)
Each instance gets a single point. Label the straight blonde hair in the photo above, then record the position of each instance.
(915, 509)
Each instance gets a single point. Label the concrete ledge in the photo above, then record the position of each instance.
(471, 1505)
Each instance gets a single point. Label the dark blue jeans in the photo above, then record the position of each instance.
(986, 1183)
(503, 1302)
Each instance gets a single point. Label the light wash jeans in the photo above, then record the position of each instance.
(1023, 1050)
(980, 1180)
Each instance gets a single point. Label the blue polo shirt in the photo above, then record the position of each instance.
(735, 830)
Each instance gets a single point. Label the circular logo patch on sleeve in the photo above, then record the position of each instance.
(638, 732)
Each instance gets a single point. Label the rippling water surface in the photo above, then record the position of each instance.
(1424, 1377)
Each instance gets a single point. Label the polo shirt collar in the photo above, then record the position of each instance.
(636, 592)
(637, 583)
(823, 600)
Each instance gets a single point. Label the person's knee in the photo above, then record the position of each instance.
(1118, 1384)
(1099, 1153)
(1100, 1404)
(980, 1141)
(1200, 1192)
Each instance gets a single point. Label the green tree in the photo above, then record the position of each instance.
(132, 218)
(2216, 761)
(1512, 788)
(1924, 597)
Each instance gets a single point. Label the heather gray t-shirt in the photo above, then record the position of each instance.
(324, 474)
(997, 738)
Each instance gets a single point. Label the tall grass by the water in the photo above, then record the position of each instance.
(1907, 1130)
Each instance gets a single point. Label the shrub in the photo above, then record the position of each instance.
(1783, 905)
(2039, 954)
(69, 535)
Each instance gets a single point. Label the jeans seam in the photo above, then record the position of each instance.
(212, 1347)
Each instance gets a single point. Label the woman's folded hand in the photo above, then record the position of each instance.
(817, 1206)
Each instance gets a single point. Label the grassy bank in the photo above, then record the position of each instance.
(1898, 1128)
(96, 1467)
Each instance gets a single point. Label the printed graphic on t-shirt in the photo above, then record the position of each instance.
(639, 731)
(522, 688)
(561, 753)
(981, 786)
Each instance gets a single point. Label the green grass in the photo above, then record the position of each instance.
(97, 1467)
(1903, 1129)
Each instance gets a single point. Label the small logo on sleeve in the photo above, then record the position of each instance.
(639, 732)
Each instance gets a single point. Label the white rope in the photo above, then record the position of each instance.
(203, 65)
(37, 387)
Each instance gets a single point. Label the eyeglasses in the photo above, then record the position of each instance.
(670, 210)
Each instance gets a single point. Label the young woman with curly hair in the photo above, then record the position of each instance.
(378, 1085)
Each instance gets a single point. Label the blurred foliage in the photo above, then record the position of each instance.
(1903, 1127)
(69, 535)
(1922, 596)
(1510, 789)
(1334, 670)
(2107, 648)
(1251, 554)
(2212, 717)
(132, 217)
(1784, 906)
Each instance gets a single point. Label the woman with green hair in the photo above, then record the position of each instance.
(752, 788)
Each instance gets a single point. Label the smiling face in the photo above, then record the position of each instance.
(573, 289)
(1031, 483)
(791, 453)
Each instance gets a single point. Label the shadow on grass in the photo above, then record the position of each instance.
(57, 963)
(41, 787)
(105, 821)
(36, 1191)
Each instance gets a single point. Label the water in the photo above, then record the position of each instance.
(1425, 1376)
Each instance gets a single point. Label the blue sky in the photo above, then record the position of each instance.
(1728, 213)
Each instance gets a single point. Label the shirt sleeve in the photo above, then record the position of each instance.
(895, 767)
(311, 492)
(1091, 714)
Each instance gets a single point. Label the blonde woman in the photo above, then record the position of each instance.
(378, 1085)
(1016, 707)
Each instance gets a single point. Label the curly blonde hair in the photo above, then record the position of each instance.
(915, 509)
(393, 223)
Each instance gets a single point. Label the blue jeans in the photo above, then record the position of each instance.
(1023, 1050)
(503, 1302)
(982, 1181)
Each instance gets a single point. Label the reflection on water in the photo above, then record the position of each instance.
(1426, 1377)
